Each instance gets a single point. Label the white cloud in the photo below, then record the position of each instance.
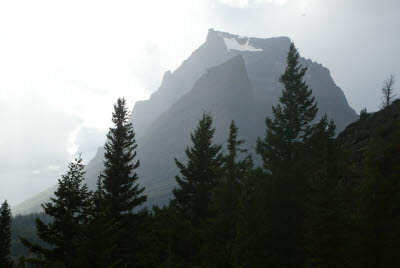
(251, 3)
(235, 3)
(53, 167)
(36, 171)
(63, 65)
(274, 2)
(72, 147)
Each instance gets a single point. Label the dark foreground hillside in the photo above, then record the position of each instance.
(378, 128)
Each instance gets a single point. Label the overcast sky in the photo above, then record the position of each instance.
(64, 63)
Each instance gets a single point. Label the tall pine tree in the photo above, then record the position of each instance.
(200, 175)
(234, 169)
(121, 192)
(192, 197)
(282, 151)
(321, 226)
(225, 202)
(292, 116)
(100, 232)
(5, 235)
(69, 209)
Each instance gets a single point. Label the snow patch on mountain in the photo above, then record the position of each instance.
(233, 44)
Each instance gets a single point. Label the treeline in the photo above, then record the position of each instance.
(24, 225)
(307, 206)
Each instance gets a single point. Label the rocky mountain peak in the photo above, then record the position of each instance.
(233, 77)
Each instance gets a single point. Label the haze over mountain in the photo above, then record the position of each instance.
(232, 77)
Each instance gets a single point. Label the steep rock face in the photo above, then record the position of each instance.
(234, 78)
(265, 61)
(331, 99)
(356, 138)
(176, 84)
(224, 91)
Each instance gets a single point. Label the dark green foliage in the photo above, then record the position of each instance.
(233, 170)
(282, 151)
(252, 242)
(321, 221)
(364, 114)
(292, 117)
(200, 175)
(222, 226)
(5, 235)
(170, 238)
(100, 232)
(21, 262)
(379, 204)
(24, 226)
(192, 197)
(121, 191)
(119, 194)
(69, 210)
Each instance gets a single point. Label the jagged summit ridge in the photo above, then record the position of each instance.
(219, 47)
(244, 43)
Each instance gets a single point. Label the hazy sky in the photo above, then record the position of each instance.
(64, 63)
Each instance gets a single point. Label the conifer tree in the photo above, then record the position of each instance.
(235, 169)
(21, 262)
(121, 192)
(254, 243)
(192, 196)
(100, 233)
(364, 114)
(5, 235)
(321, 219)
(200, 175)
(167, 242)
(282, 151)
(225, 202)
(69, 209)
(292, 116)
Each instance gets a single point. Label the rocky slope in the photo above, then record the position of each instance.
(357, 137)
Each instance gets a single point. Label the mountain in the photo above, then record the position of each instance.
(176, 84)
(233, 78)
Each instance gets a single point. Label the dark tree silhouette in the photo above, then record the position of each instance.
(5, 235)
(70, 210)
(121, 193)
(388, 95)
